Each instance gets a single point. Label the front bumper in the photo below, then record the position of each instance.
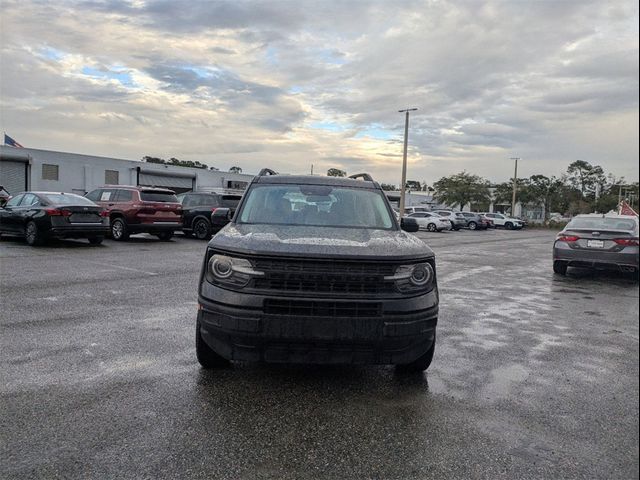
(626, 259)
(400, 332)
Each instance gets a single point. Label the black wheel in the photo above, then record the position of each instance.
(422, 363)
(95, 240)
(32, 234)
(207, 357)
(472, 225)
(560, 267)
(202, 229)
(165, 236)
(508, 226)
(431, 227)
(119, 230)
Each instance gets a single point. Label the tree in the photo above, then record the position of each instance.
(545, 192)
(175, 161)
(336, 172)
(387, 187)
(503, 192)
(586, 177)
(462, 188)
(235, 170)
(149, 159)
(413, 185)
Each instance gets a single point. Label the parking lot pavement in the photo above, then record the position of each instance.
(534, 376)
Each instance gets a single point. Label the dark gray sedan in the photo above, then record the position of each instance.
(603, 242)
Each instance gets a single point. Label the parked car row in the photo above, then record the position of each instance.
(439, 220)
(117, 211)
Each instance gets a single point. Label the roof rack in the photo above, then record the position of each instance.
(266, 171)
(364, 176)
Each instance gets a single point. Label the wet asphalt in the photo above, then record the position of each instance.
(535, 376)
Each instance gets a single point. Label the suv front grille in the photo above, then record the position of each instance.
(305, 308)
(349, 278)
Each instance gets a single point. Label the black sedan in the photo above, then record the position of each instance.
(38, 216)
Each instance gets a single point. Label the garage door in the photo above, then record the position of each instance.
(177, 184)
(13, 176)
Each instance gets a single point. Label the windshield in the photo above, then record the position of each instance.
(67, 199)
(316, 205)
(156, 196)
(607, 223)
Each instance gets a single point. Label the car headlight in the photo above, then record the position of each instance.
(413, 278)
(230, 271)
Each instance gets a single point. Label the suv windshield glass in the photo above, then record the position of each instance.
(315, 205)
(155, 196)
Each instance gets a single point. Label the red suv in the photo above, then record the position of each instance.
(139, 210)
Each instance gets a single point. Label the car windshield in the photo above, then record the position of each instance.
(316, 205)
(599, 223)
(156, 196)
(67, 199)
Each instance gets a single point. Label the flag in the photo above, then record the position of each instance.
(11, 142)
(625, 209)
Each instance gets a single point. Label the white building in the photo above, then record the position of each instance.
(44, 170)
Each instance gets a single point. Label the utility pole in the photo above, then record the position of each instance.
(515, 187)
(619, 194)
(404, 158)
(312, 169)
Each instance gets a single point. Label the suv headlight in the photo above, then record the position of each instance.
(230, 271)
(413, 278)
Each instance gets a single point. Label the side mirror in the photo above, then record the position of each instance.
(409, 224)
(220, 217)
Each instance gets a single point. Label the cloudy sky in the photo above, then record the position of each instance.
(288, 84)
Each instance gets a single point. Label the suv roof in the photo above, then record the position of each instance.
(138, 188)
(316, 180)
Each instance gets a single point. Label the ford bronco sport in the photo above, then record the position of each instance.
(317, 270)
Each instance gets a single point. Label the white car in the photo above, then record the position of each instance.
(501, 220)
(410, 210)
(431, 221)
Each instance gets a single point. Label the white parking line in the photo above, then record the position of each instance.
(119, 267)
(452, 277)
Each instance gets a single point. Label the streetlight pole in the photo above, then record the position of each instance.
(404, 158)
(515, 187)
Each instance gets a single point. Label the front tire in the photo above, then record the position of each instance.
(508, 226)
(32, 234)
(560, 267)
(119, 229)
(422, 363)
(472, 225)
(206, 357)
(202, 229)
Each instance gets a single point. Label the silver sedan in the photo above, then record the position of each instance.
(604, 242)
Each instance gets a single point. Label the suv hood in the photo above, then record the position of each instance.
(318, 242)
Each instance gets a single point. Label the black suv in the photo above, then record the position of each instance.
(317, 270)
(197, 208)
